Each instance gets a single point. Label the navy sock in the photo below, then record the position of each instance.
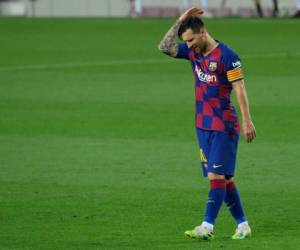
(216, 196)
(233, 202)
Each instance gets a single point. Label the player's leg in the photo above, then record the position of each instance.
(216, 196)
(232, 197)
(234, 205)
(258, 8)
(216, 179)
(275, 8)
(222, 161)
(215, 199)
(233, 201)
(217, 188)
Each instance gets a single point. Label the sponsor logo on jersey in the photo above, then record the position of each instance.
(205, 77)
(237, 64)
(213, 66)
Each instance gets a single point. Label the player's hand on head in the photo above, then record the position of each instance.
(249, 130)
(191, 12)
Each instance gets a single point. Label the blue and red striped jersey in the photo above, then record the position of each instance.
(214, 75)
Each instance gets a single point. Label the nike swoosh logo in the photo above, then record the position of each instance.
(217, 166)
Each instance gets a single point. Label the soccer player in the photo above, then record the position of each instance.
(217, 70)
(260, 11)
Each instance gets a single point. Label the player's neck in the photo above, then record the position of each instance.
(210, 46)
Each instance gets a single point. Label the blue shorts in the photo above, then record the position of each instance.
(217, 152)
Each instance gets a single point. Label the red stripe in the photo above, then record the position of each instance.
(230, 186)
(228, 115)
(204, 64)
(214, 184)
(216, 54)
(215, 102)
(207, 109)
(199, 121)
(199, 95)
(192, 56)
(217, 124)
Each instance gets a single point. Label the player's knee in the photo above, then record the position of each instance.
(213, 176)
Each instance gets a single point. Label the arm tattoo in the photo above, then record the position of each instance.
(168, 44)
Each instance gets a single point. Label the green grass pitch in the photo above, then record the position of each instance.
(97, 141)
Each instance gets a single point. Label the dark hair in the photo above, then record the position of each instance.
(193, 22)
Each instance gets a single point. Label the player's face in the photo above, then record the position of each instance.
(193, 40)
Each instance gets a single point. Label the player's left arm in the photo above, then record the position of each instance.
(247, 124)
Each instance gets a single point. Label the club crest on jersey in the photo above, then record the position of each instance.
(213, 66)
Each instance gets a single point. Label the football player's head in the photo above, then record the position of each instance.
(192, 31)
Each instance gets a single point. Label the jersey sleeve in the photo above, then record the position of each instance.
(183, 51)
(233, 67)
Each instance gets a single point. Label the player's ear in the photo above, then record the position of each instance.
(202, 30)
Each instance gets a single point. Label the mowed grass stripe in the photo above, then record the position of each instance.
(126, 62)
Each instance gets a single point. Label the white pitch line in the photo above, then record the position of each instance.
(124, 62)
(76, 65)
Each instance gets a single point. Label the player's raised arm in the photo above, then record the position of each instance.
(168, 44)
(247, 124)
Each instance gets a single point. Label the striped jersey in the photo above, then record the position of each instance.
(214, 75)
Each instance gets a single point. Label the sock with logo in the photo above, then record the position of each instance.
(216, 196)
(233, 202)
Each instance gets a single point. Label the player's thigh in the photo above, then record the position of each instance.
(204, 148)
(222, 155)
(204, 143)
